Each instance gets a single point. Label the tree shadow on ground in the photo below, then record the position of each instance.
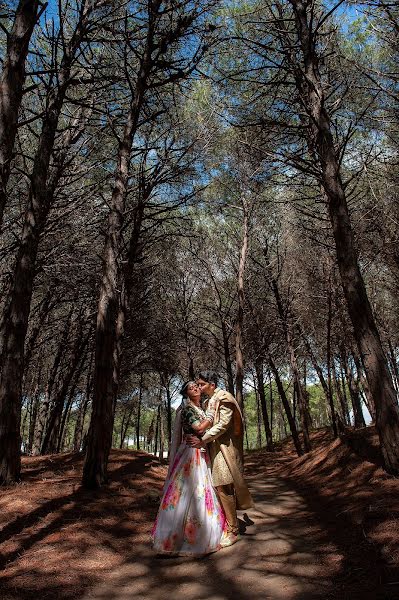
(295, 545)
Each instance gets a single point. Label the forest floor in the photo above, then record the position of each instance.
(324, 526)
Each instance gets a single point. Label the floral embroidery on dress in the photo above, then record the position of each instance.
(190, 519)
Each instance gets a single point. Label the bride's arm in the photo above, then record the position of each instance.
(201, 426)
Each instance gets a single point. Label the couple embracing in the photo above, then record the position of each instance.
(204, 486)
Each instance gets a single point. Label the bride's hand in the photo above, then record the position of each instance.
(194, 442)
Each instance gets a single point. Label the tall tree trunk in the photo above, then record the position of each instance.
(127, 417)
(11, 88)
(44, 309)
(122, 432)
(64, 421)
(326, 387)
(341, 397)
(157, 431)
(239, 380)
(368, 399)
(68, 407)
(165, 383)
(359, 308)
(112, 302)
(345, 386)
(80, 419)
(227, 357)
(258, 414)
(150, 435)
(40, 197)
(161, 435)
(287, 408)
(354, 394)
(49, 444)
(78, 434)
(33, 416)
(41, 423)
(303, 409)
(51, 378)
(138, 417)
(271, 396)
(262, 398)
(329, 382)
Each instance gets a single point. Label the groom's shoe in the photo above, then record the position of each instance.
(228, 539)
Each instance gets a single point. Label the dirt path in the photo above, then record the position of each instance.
(308, 537)
(286, 554)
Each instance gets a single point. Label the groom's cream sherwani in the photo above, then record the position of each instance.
(224, 441)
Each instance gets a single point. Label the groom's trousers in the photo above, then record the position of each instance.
(227, 498)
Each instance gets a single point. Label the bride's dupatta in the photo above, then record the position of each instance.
(177, 436)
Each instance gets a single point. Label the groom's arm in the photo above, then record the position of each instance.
(225, 418)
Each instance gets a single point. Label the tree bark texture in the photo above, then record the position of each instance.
(40, 197)
(111, 308)
(11, 88)
(239, 379)
(365, 329)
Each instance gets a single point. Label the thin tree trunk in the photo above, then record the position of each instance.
(33, 416)
(354, 394)
(125, 426)
(341, 397)
(46, 306)
(262, 397)
(24, 435)
(156, 433)
(303, 410)
(239, 379)
(64, 422)
(287, 408)
(68, 407)
(344, 387)
(41, 423)
(138, 418)
(78, 434)
(227, 357)
(161, 435)
(49, 444)
(122, 432)
(323, 382)
(271, 401)
(329, 384)
(245, 429)
(258, 414)
(368, 399)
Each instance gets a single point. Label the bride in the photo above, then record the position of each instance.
(190, 519)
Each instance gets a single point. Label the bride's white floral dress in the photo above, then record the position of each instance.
(190, 518)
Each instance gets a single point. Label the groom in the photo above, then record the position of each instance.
(224, 440)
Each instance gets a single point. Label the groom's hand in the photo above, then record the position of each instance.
(194, 441)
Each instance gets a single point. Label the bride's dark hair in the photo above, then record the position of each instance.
(183, 390)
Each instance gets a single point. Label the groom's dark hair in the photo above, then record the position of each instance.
(209, 377)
